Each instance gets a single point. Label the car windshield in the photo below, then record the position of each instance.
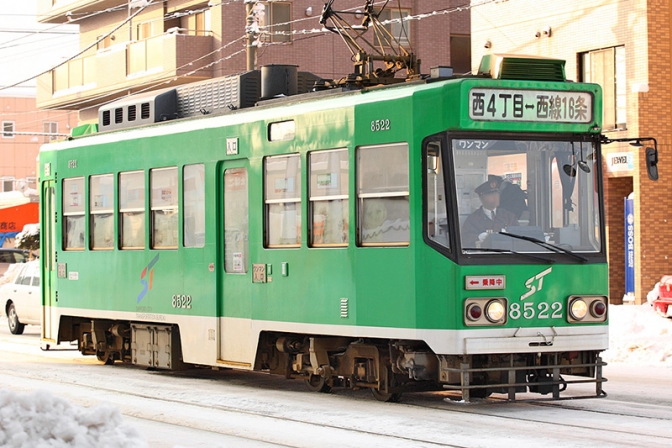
(526, 195)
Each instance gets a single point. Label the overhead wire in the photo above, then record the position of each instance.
(100, 39)
(151, 84)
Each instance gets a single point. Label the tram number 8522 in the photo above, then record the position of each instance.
(542, 310)
(181, 301)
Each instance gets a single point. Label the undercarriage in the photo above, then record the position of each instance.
(387, 367)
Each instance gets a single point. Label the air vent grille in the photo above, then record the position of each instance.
(144, 111)
(118, 115)
(532, 69)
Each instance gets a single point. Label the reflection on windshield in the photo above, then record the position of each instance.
(541, 190)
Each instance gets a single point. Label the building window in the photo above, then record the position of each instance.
(144, 30)
(50, 127)
(7, 183)
(73, 214)
(399, 29)
(282, 196)
(7, 129)
(163, 205)
(104, 43)
(101, 209)
(460, 54)
(328, 198)
(194, 205)
(236, 221)
(132, 209)
(202, 23)
(383, 195)
(275, 18)
(606, 67)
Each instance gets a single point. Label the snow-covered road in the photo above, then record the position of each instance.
(199, 408)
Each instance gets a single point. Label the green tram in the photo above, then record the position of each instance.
(333, 236)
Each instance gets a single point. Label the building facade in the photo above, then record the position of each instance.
(128, 46)
(625, 46)
(24, 130)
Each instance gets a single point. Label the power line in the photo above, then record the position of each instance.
(100, 39)
(36, 31)
(152, 84)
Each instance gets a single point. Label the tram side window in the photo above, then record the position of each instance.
(383, 195)
(132, 209)
(328, 196)
(101, 208)
(163, 203)
(73, 214)
(282, 198)
(194, 205)
(236, 221)
(437, 216)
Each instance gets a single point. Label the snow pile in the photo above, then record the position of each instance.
(40, 420)
(29, 237)
(639, 336)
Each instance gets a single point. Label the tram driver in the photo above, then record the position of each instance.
(487, 219)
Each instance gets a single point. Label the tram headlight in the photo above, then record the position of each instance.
(495, 311)
(578, 309)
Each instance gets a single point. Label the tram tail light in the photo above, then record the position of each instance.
(486, 311)
(474, 312)
(582, 309)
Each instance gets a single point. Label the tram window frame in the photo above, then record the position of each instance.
(282, 196)
(74, 213)
(329, 194)
(193, 226)
(164, 208)
(101, 212)
(236, 221)
(132, 210)
(376, 180)
(435, 186)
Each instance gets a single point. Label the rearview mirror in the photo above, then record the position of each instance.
(652, 163)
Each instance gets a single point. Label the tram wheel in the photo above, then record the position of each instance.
(317, 384)
(105, 357)
(389, 397)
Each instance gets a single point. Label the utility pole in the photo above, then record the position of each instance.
(251, 32)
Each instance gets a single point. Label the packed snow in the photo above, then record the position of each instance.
(638, 336)
(41, 420)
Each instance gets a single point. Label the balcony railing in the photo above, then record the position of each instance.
(125, 67)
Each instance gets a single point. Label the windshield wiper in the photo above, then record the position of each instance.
(508, 251)
(546, 245)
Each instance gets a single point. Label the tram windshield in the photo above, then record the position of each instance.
(526, 195)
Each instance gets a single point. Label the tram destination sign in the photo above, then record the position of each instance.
(551, 106)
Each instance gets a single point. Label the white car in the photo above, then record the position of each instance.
(21, 297)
